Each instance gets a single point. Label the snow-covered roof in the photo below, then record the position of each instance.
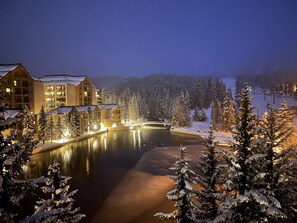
(107, 106)
(82, 108)
(5, 68)
(60, 110)
(11, 113)
(62, 79)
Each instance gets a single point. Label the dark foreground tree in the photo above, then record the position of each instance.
(59, 206)
(182, 193)
(42, 125)
(246, 199)
(13, 156)
(209, 178)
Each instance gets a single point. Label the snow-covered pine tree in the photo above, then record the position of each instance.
(75, 123)
(92, 122)
(13, 156)
(198, 96)
(133, 108)
(182, 193)
(208, 94)
(42, 125)
(216, 114)
(186, 108)
(209, 178)
(27, 121)
(286, 115)
(228, 112)
(279, 164)
(59, 130)
(238, 87)
(246, 200)
(50, 130)
(219, 90)
(199, 115)
(176, 112)
(59, 206)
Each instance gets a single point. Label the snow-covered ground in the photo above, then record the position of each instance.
(201, 129)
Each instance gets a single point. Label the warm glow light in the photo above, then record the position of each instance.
(105, 143)
(114, 125)
(87, 167)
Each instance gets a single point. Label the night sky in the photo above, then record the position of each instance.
(141, 37)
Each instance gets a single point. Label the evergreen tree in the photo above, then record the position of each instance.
(216, 114)
(199, 115)
(208, 94)
(59, 130)
(75, 123)
(182, 193)
(181, 111)
(246, 199)
(59, 206)
(92, 122)
(27, 121)
(238, 87)
(228, 113)
(42, 125)
(177, 112)
(50, 130)
(13, 156)
(278, 179)
(185, 99)
(209, 179)
(219, 90)
(134, 108)
(198, 96)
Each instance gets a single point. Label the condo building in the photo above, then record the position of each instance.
(19, 89)
(67, 90)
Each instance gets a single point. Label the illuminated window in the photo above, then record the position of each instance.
(7, 90)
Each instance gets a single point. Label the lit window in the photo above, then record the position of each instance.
(7, 90)
(15, 83)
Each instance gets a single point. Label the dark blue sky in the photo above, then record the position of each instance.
(141, 37)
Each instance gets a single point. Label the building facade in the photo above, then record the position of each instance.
(17, 86)
(67, 90)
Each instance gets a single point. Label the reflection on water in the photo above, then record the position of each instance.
(97, 164)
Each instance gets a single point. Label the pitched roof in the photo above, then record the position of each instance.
(62, 79)
(11, 113)
(60, 110)
(81, 108)
(5, 68)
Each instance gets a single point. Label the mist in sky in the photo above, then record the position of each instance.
(138, 37)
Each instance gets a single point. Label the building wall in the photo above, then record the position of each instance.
(19, 86)
(94, 98)
(72, 95)
(38, 96)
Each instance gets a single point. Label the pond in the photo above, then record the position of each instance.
(98, 164)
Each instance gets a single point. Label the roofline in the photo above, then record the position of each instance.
(68, 75)
(10, 64)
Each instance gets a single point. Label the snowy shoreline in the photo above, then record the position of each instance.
(55, 145)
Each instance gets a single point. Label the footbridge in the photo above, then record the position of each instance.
(152, 124)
